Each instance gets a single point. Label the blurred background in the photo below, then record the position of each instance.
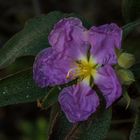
(27, 121)
(15, 13)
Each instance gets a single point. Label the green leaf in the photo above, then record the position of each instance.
(95, 128)
(51, 98)
(32, 39)
(128, 28)
(61, 126)
(131, 10)
(135, 133)
(19, 88)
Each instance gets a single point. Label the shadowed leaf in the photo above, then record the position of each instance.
(32, 39)
(95, 128)
(19, 88)
(128, 28)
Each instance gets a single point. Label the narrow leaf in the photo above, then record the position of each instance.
(51, 98)
(60, 126)
(30, 40)
(96, 128)
(128, 28)
(19, 88)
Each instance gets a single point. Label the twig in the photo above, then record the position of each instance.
(71, 132)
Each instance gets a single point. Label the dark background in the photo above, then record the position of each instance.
(14, 13)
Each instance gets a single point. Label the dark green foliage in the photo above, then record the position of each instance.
(128, 28)
(51, 98)
(61, 126)
(19, 88)
(32, 39)
(95, 128)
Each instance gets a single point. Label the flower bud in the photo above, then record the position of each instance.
(126, 76)
(126, 60)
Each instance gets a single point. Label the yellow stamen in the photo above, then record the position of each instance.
(83, 69)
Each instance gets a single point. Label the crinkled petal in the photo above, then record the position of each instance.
(50, 68)
(109, 84)
(68, 36)
(78, 102)
(104, 39)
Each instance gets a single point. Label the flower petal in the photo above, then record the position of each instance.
(104, 39)
(109, 84)
(68, 36)
(78, 102)
(50, 68)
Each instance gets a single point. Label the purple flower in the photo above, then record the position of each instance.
(86, 55)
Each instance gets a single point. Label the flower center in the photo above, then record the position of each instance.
(83, 69)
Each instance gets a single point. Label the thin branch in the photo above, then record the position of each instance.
(71, 132)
